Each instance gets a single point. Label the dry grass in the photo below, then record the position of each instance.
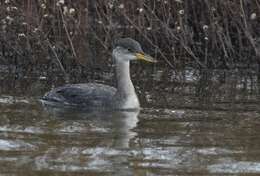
(205, 34)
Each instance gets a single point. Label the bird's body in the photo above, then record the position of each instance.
(100, 96)
(83, 95)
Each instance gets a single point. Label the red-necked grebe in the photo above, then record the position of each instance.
(92, 95)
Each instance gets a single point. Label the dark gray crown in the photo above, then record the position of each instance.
(128, 43)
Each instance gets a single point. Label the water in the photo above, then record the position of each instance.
(193, 123)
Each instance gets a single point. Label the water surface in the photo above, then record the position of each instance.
(192, 123)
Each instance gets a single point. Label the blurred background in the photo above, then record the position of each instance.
(36, 34)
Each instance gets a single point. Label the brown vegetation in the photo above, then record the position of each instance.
(79, 33)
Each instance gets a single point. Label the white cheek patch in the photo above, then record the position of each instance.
(132, 57)
(117, 52)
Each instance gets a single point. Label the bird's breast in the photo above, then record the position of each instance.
(131, 102)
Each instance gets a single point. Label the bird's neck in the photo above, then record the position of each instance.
(125, 96)
(124, 84)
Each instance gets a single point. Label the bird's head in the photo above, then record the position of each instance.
(128, 49)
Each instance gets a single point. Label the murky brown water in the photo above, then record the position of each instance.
(192, 123)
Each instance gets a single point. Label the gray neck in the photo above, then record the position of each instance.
(124, 84)
(125, 97)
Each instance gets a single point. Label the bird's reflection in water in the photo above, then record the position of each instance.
(119, 123)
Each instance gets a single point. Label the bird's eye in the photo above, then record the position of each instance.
(130, 50)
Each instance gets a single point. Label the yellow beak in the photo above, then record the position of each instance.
(145, 57)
